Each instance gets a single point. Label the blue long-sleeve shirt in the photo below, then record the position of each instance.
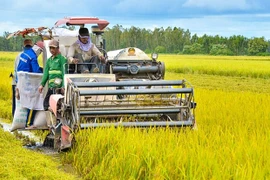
(28, 61)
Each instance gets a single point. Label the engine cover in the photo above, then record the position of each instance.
(133, 63)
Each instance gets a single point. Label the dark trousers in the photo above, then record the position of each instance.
(30, 117)
(46, 103)
(91, 65)
(13, 100)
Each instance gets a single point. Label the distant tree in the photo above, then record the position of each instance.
(124, 39)
(257, 45)
(7, 45)
(268, 48)
(238, 45)
(134, 36)
(145, 39)
(187, 49)
(220, 49)
(147, 51)
(187, 37)
(158, 37)
(113, 37)
(160, 49)
(173, 39)
(205, 42)
(194, 39)
(195, 48)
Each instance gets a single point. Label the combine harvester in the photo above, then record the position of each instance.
(128, 91)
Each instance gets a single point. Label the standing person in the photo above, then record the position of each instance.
(26, 64)
(27, 61)
(53, 73)
(84, 51)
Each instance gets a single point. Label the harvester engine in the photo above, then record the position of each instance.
(133, 63)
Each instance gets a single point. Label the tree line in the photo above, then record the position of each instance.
(170, 40)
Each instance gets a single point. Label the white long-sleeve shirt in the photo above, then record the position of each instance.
(75, 48)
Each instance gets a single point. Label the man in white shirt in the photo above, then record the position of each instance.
(84, 51)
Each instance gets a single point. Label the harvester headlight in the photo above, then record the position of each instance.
(154, 56)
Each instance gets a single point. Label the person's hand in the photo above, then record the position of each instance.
(75, 60)
(17, 94)
(40, 88)
(102, 58)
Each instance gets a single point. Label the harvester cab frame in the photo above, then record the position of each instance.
(97, 29)
(129, 91)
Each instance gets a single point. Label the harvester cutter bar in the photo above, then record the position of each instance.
(140, 124)
(129, 83)
(129, 111)
(135, 91)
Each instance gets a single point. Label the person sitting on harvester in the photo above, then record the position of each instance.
(84, 51)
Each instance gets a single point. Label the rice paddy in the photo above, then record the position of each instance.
(231, 141)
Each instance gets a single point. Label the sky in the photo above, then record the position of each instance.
(249, 18)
